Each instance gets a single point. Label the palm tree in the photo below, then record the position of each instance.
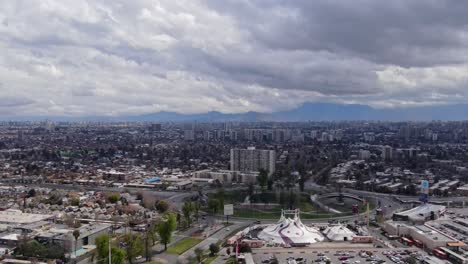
(76, 234)
(199, 255)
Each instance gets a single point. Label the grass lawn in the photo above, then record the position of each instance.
(308, 210)
(275, 214)
(301, 201)
(183, 245)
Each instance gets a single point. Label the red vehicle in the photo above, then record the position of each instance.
(406, 241)
(418, 243)
(343, 258)
(439, 253)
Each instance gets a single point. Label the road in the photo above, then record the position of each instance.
(221, 234)
(76, 187)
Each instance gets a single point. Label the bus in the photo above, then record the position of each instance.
(406, 241)
(439, 253)
(454, 257)
(418, 243)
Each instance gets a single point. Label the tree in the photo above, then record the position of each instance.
(220, 197)
(118, 255)
(152, 233)
(179, 217)
(139, 196)
(262, 178)
(199, 254)
(196, 208)
(32, 193)
(162, 206)
(411, 260)
(251, 189)
(301, 183)
(214, 249)
(134, 246)
(187, 210)
(244, 248)
(270, 185)
(102, 248)
(76, 235)
(166, 227)
(213, 205)
(30, 249)
(113, 197)
(75, 201)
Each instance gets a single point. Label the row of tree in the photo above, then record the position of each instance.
(135, 244)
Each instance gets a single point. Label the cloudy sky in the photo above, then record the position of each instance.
(121, 57)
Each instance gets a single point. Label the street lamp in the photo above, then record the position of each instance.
(109, 244)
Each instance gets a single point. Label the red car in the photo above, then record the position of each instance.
(343, 258)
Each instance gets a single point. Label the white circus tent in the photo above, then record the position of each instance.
(290, 231)
(339, 233)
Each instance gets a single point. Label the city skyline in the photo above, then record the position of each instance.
(81, 58)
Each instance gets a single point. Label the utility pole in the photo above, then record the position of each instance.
(367, 214)
(110, 251)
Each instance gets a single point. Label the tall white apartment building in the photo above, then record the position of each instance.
(252, 159)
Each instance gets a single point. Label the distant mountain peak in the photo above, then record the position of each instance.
(305, 112)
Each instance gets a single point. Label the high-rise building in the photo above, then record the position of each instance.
(207, 135)
(387, 153)
(364, 154)
(325, 137)
(252, 159)
(189, 135)
(156, 127)
(233, 135)
(313, 134)
(369, 136)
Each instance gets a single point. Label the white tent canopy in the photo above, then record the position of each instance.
(290, 231)
(339, 233)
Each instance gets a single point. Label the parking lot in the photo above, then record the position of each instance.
(342, 256)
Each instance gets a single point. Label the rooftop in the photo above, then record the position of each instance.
(17, 217)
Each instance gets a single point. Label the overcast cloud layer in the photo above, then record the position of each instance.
(120, 57)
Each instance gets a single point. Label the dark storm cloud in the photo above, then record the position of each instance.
(401, 32)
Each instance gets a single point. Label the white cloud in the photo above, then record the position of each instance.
(99, 57)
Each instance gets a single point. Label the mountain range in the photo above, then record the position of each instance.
(322, 112)
(306, 112)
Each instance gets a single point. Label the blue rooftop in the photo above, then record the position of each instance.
(154, 179)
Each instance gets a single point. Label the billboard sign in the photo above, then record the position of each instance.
(424, 187)
(424, 193)
(228, 209)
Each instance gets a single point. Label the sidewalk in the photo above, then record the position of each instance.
(216, 236)
(222, 257)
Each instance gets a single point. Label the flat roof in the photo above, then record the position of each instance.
(12, 236)
(15, 217)
(89, 229)
(457, 244)
(421, 210)
(432, 234)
